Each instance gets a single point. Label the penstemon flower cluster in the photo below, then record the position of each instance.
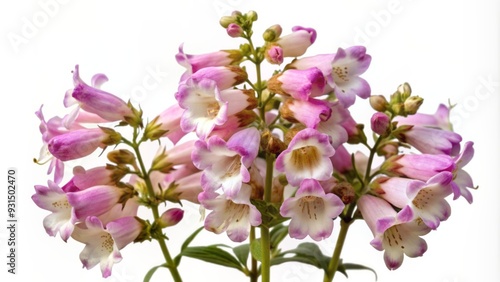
(264, 157)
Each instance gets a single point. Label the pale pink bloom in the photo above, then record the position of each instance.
(322, 61)
(193, 63)
(206, 106)
(307, 156)
(418, 166)
(440, 119)
(296, 43)
(225, 164)
(461, 179)
(234, 216)
(224, 76)
(79, 143)
(312, 211)
(94, 100)
(430, 140)
(395, 233)
(347, 66)
(300, 84)
(102, 175)
(167, 124)
(309, 112)
(103, 244)
(426, 200)
(94, 201)
(333, 125)
(53, 199)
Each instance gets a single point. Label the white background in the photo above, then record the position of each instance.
(444, 49)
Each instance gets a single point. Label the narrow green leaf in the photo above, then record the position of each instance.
(150, 273)
(256, 250)
(186, 243)
(242, 253)
(354, 266)
(213, 255)
(305, 260)
(277, 234)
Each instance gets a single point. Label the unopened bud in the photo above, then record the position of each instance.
(380, 123)
(170, 217)
(227, 20)
(252, 16)
(121, 156)
(412, 104)
(379, 103)
(405, 90)
(272, 33)
(274, 55)
(234, 30)
(113, 137)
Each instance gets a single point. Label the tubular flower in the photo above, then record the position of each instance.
(62, 218)
(347, 65)
(81, 142)
(461, 179)
(333, 124)
(308, 112)
(440, 119)
(226, 164)
(235, 216)
(224, 76)
(395, 233)
(167, 124)
(94, 201)
(430, 140)
(296, 43)
(97, 101)
(194, 63)
(206, 106)
(103, 244)
(300, 84)
(311, 211)
(418, 166)
(102, 175)
(307, 156)
(426, 200)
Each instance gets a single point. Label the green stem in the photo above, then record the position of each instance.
(156, 214)
(334, 261)
(264, 230)
(254, 272)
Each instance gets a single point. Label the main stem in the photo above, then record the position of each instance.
(264, 230)
(334, 261)
(156, 214)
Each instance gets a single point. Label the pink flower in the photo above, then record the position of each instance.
(225, 164)
(347, 65)
(103, 244)
(430, 140)
(307, 156)
(379, 123)
(171, 217)
(94, 201)
(206, 106)
(53, 199)
(439, 119)
(234, 216)
(312, 211)
(300, 84)
(97, 101)
(166, 124)
(296, 43)
(308, 112)
(395, 233)
(193, 63)
(461, 179)
(81, 142)
(425, 200)
(418, 166)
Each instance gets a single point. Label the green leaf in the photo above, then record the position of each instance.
(256, 249)
(214, 255)
(270, 213)
(242, 253)
(277, 234)
(150, 273)
(186, 243)
(308, 253)
(354, 266)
